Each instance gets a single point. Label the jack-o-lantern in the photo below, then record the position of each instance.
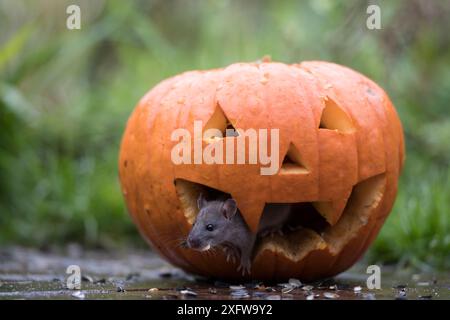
(340, 147)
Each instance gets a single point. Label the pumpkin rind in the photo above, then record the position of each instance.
(354, 161)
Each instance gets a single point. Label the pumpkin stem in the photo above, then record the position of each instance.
(266, 58)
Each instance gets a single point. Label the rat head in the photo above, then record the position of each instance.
(212, 224)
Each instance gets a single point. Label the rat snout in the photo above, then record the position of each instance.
(193, 243)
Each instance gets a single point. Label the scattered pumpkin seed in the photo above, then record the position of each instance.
(258, 294)
(120, 289)
(240, 294)
(287, 289)
(284, 285)
(423, 284)
(369, 296)
(78, 295)
(330, 295)
(188, 293)
(212, 290)
(240, 287)
(295, 283)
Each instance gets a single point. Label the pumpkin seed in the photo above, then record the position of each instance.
(295, 283)
(240, 287)
(330, 295)
(188, 293)
(78, 295)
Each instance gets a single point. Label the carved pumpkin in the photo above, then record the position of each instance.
(341, 151)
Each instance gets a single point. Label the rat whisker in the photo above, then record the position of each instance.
(169, 238)
(212, 251)
(182, 243)
(179, 242)
(209, 252)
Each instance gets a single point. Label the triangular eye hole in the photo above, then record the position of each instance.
(230, 131)
(219, 123)
(334, 118)
(292, 162)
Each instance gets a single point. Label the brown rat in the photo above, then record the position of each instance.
(219, 223)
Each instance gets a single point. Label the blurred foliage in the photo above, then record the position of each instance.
(65, 97)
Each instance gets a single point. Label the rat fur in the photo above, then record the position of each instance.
(219, 223)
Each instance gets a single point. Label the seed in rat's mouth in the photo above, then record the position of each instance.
(206, 248)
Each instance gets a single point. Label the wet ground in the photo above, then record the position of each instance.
(31, 274)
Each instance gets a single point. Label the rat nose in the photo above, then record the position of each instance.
(193, 242)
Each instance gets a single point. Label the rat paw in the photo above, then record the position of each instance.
(244, 267)
(230, 254)
(230, 258)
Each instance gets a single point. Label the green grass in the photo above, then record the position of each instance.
(417, 231)
(65, 97)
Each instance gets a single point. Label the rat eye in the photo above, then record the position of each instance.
(210, 227)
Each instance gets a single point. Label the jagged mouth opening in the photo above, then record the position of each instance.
(307, 229)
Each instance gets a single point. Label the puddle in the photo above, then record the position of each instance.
(31, 274)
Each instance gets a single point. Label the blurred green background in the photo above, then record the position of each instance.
(65, 97)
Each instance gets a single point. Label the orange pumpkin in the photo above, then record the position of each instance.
(341, 152)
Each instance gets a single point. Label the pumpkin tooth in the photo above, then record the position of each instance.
(364, 200)
(331, 210)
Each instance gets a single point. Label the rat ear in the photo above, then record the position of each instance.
(201, 201)
(229, 208)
